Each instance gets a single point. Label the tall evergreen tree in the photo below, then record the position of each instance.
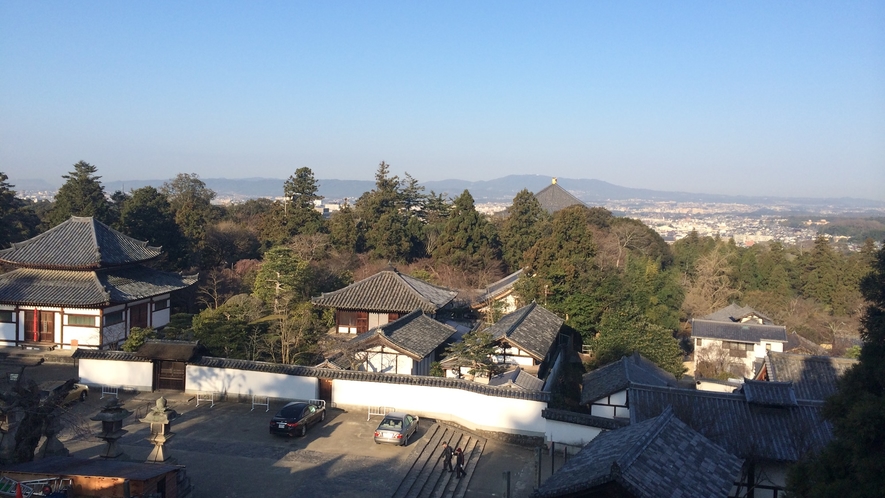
(343, 232)
(523, 227)
(853, 464)
(190, 200)
(147, 215)
(301, 190)
(468, 240)
(81, 195)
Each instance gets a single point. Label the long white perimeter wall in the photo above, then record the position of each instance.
(472, 410)
(129, 375)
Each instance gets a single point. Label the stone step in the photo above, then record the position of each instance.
(426, 478)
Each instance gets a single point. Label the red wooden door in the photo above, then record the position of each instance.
(138, 316)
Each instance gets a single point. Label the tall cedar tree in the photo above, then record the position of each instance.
(17, 220)
(343, 233)
(853, 463)
(523, 227)
(383, 216)
(468, 241)
(81, 195)
(301, 190)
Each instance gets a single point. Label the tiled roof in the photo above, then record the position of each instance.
(79, 243)
(584, 419)
(614, 377)
(27, 286)
(760, 392)
(94, 467)
(739, 332)
(744, 429)
(414, 334)
(388, 291)
(499, 288)
(157, 349)
(734, 313)
(661, 456)
(530, 328)
(517, 378)
(800, 345)
(813, 377)
(554, 198)
(103, 354)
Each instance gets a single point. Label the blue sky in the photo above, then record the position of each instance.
(757, 98)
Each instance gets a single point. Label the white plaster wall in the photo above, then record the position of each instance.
(126, 374)
(571, 434)
(7, 331)
(247, 383)
(86, 336)
(618, 398)
(114, 333)
(472, 410)
(715, 387)
(160, 318)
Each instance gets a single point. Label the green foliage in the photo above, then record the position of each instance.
(468, 241)
(853, 464)
(524, 225)
(179, 326)
(436, 370)
(81, 195)
(17, 220)
(283, 278)
(625, 330)
(852, 352)
(147, 215)
(230, 331)
(475, 351)
(190, 200)
(343, 233)
(137, 337)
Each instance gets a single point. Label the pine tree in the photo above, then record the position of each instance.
(468, 241)
(81, 195)
(523, 227)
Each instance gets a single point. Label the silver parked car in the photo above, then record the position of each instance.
(78, 392)
(396, 428)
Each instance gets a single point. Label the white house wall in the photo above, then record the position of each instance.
(160, 318)
(612, 406)
(472, 410)
(570, 434)
(130, 375)
(86, 336)
(246, 382)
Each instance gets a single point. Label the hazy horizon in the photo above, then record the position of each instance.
(751, 98)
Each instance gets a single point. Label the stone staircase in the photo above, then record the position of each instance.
(426, 477)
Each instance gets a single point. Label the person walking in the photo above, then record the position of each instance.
(446, 456)
(459, 463)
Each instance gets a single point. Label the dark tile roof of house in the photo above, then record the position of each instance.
(517, 378)
(95, 467)
(157, 349)
(78, 243)
(107, 355)
(497, 290)
(660, 456)
(735, 313)
(745, 429)
(738, 332)
(813, 377)
(617, 376)
(760, 392)
(531, 328)
(32, 287)
(798, 344)
(584, 419)
(388, 291)
(414, 334)
(554, 198)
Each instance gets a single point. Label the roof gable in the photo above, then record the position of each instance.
(641, 458)
(157, 349)
(627, 371)
(554, 198)
(530, 328)
(388, 291)
(736, 331)
(415, 334)
(735, 313)
(78, 243)
(764, 393)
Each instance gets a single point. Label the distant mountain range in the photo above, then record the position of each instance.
(498, 190)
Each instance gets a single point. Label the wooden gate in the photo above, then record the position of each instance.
(326, 391)
(169, 375)
(39, 326)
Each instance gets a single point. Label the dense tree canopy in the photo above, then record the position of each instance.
(525, 224)
(147, 215)
(81, 195)
(853, 464)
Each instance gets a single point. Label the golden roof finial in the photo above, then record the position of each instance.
(554, 180)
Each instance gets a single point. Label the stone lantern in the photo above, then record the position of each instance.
(111, 418)
(160, 418)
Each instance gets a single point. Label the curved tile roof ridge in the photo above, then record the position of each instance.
(79, 243)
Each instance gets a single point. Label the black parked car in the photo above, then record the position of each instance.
(294, 418)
